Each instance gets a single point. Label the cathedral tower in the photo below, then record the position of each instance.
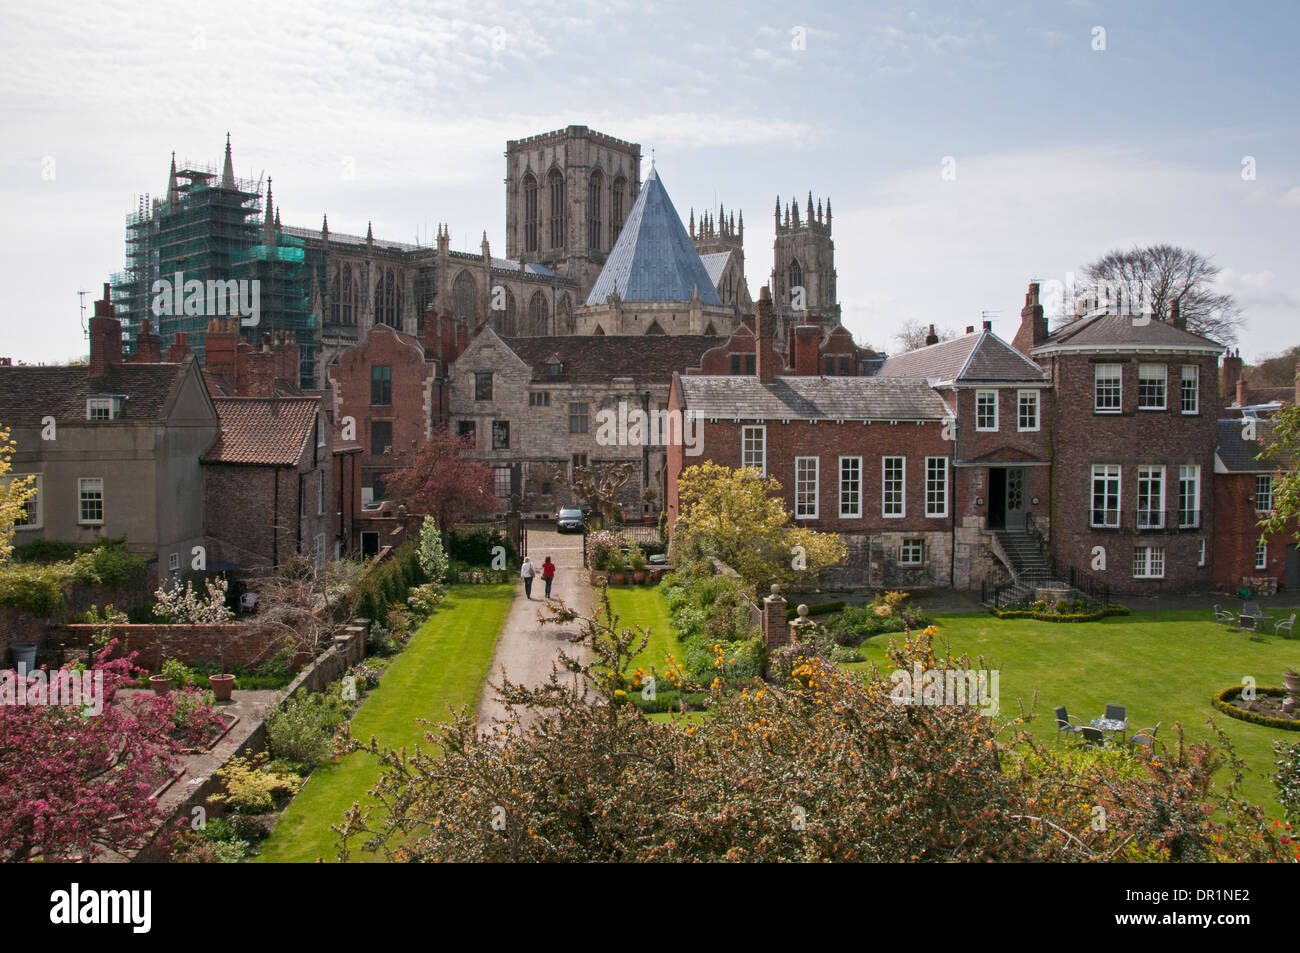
(568, 193)
(803, 257)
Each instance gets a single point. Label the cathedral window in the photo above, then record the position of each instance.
(530, 213)
(593, 210)
(556, 182)
(796, 275)
(616, 209)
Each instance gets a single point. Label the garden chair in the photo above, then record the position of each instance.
(1253, 609)
(1144, 739)
(1248, 623)
(1285, 624)
(1118, 713)
(1223, 616)
(1064, 724)
(1092, 737)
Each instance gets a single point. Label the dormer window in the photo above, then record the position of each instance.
(102, 408)
(554, 370)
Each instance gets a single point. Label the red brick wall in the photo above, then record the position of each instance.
(246, 644)
(1236, 533)
(1132, 438)
(1005, 447)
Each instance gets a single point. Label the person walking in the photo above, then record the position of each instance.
(548, 574)
(526, 572)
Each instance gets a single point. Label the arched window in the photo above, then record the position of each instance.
(616, 209)
(378, 313)
(564, 315)
(464, 298)
(336, 299)
(506, 321)
(538, 315)
(556, 183)
(390, 300)
(349, 316)
(796, 276)
(594, 191)
(530, 213)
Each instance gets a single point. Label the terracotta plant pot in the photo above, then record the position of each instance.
(618, 579)
(638, 576)
(222, 686)
(598, 579)
(160, 684)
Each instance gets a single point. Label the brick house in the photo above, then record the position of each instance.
(1132, 436)
(114, 447)
(1002, 405)
(269, 484)
(534, 406)
(1243, 495)
(866, 457)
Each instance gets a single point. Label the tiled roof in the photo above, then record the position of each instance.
(265, 431)
(590, 358)
(653, 259)
(981, 356)
(509, 264)
(820, 398)
(1235, 455)
(1268, 395)
(1124, 330)
(29, 393)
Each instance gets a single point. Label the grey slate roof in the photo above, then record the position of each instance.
(653, 259)
(594, 358)
(715, 263)
(1123, 330)
(29, 393)
(1234, 455)
(813, 398)
(510, 264)
(981, 356)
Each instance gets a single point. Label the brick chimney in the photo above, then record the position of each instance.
(807, 350)
(148, 346)
(431, 337)
(1243, 395)
(446, 337)
(1033, 325)
(1176, 316)
(105, 337)
(179, 349)
(931, 337)
(287, 357)
(219, 343)
(1229, 375)
(764, 353)
(462, 340)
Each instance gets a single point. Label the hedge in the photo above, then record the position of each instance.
(1059, 616)
(1222, 702)
(822, 608)
(385, 584)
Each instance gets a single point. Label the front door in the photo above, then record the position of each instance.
(1015, 499)
(997, 518)
(1291, 579)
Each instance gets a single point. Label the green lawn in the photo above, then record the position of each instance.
(446, 661)
(645, 606)
(1164, 666)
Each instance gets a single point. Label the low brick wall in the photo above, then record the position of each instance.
(235, 643)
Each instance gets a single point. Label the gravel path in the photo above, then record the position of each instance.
(526, 649)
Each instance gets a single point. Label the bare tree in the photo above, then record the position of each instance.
(1170, 273)
(599, 487)
(912, 334)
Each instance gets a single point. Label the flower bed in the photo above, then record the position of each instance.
(1048, 615)
(1259, 715)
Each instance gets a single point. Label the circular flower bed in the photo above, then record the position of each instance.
(1264, 709)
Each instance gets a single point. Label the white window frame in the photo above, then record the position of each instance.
(980, 395)
(930, 482)
(497, 473)
(318, 550)
(1107, 472)
(174, 562)
(1205, 549)
(320, 492)
(38, 522)
(1261, 554)
(81, 499)
(95, 404)
(747, 454)
(1194, 391)
(1022, 398)
(1151, 475)
(855, 510)
(1153, 558)
(915, 544)
(1189, 475)
(1263, 496)
(1148, 372)
(802, 511)
(1100, 373)
(884, 488)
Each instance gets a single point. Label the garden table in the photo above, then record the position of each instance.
(1110, 725)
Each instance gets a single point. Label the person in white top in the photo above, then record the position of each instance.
(526, 573)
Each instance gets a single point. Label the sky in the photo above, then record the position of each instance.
(967, 148)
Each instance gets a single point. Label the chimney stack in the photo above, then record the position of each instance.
(1033, 324)
(105, 336)
(219, 343)
(970, 329)
(1230, 374)
(148, 346)
(764, 355)
(931, 337)
(988, 325)
(1243, 395)
(431, 337)
(179, 349)
(1176, 316)
(807, 350)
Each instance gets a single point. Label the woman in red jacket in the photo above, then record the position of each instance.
(548, 574)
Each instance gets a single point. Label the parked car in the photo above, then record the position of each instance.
(569, 521)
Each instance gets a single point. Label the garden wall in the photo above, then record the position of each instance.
(234, 643)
